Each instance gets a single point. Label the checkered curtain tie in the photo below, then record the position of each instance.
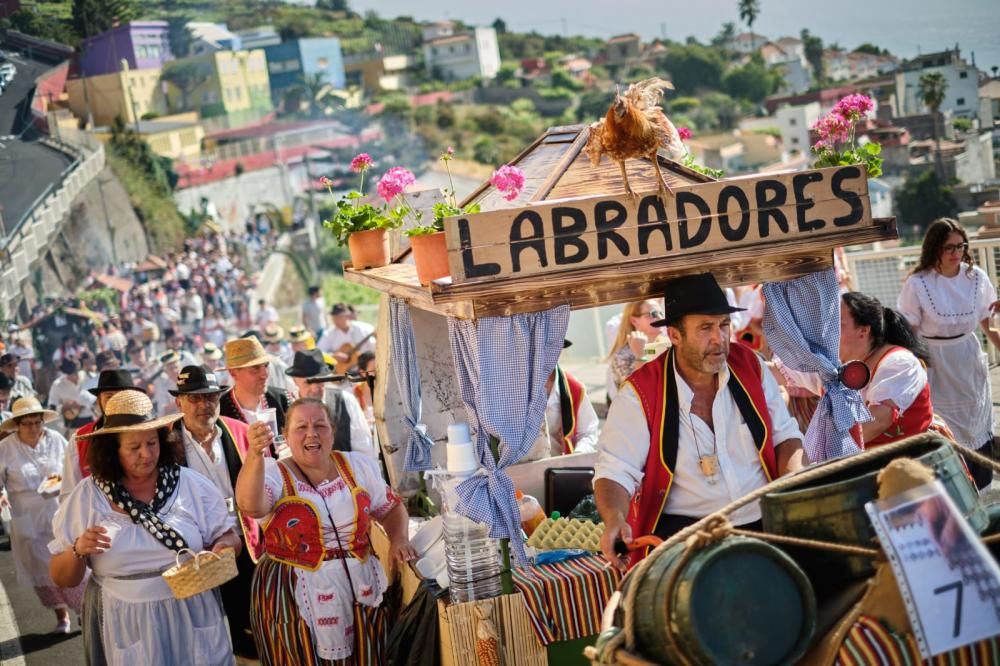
(502, 365)
(802, 325)
(407, 373)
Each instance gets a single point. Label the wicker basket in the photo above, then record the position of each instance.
(204, 571)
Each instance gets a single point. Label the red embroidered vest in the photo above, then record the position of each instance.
(656, 387)
(82, 445)
(916, 419)
(571, 395)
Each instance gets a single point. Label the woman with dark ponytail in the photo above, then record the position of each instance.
(898, 395)
(946, 299)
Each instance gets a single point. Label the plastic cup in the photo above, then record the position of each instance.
(270, 417)
(111, 529)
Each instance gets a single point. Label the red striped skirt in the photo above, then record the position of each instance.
(284, 638)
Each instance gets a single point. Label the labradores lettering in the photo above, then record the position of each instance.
(703, 217)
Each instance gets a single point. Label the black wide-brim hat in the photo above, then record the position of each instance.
(308, 364)
(694, 294)
(197, 380)
(114, 380)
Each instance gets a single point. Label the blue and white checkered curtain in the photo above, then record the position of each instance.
(407, 372)
(502, 365)
(802, 325)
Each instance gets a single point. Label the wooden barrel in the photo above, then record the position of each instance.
(739, 601)
(832, 509)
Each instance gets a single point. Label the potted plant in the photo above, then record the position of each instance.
(430, 251)
(361, 225)
(837, 143)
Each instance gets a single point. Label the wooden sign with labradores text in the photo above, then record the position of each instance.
(742, 217)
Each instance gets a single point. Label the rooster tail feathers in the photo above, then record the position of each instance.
(649, 91)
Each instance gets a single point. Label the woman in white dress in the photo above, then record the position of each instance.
(127, 522)
(946, 299)
(31, 456)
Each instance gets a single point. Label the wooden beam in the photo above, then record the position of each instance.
(400, 280)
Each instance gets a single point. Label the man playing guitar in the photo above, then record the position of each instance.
(346, 339)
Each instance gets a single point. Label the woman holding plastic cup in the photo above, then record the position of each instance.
(30, 462)
(127, 522)
(318, 563)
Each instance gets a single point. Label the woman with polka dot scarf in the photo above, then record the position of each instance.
(126, 523)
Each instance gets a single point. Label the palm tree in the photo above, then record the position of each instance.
(311, 89)
(749, 11)
(931, 89)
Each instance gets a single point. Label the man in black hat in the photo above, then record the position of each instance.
(350, 432)
(214, 447)
(75, 466)
(10, 366)
(701, 425)
(67, 396)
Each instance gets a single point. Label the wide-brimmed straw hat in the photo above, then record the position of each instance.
(211, 351)
(244, 353)
(26, 407)
(273, 333)
(298, 334)
(130, 411)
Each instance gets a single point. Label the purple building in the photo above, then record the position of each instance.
(142, 44)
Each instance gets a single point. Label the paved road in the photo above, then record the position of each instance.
(27, 167)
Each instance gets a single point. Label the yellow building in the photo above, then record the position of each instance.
(176, 137)
(130, 94)
(233, 84)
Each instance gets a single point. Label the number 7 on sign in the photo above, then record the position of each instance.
(957, 586)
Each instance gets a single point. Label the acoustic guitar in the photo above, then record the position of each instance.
(352, 352)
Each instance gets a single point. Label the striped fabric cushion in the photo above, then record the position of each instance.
(871, 643)
(565, 600)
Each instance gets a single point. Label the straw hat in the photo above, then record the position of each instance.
(298, 334)
(129, 411)
(26, 407)
(211, 351)
(273, 333)
(244, 353)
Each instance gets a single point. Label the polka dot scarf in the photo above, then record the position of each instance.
(145, 514)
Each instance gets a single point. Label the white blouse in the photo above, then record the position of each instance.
(196, 510)
(944, 307)
(900, 377)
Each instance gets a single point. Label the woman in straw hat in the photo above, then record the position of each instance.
(30, 462)
(318, 575)
(127, 522)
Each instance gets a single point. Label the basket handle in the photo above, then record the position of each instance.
(195, 556)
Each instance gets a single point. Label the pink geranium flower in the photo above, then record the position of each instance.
(832, 129)
(509, 180)
(325, 182)
(361, 162)
(684, 133)
(854, 107)
(394, 182)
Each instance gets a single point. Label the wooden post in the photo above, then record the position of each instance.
(506, 578)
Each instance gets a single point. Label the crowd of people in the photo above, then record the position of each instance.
(193, 420)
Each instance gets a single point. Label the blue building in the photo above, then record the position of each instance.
(289, 62)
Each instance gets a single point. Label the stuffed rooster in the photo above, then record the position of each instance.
(635, 126)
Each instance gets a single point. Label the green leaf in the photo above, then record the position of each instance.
(873, 148)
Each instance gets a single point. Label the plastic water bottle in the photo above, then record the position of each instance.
(472, 557)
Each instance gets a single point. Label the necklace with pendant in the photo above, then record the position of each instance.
(709, 462)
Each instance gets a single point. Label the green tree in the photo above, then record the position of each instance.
(506, 73)
(561, 78)
(333, 5)
(593, 105)
(693, 67)
(813, 47)
(749, 11)
(179, 36)
(500, 26)
(872, 49)
(92, 17)
(753, 81)
(32, 23)
(485, 150)
(310, 91)
(931, 88)
(726, 34)
(923, 199)
(186, 76)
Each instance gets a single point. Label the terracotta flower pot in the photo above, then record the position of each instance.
(369, 249)
(430, 254)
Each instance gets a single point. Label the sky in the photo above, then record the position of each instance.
(905, 27)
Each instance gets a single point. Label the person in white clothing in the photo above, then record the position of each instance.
(347, 338)
(266, 315)
(946, 299)
(314, 312)
(571, 424)
(30, 462)
(10, 365)
(67, 396)
(682, 440)
(166, 380)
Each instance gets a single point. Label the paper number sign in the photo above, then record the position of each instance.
(948, 580)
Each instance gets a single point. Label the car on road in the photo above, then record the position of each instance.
(7, 72)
